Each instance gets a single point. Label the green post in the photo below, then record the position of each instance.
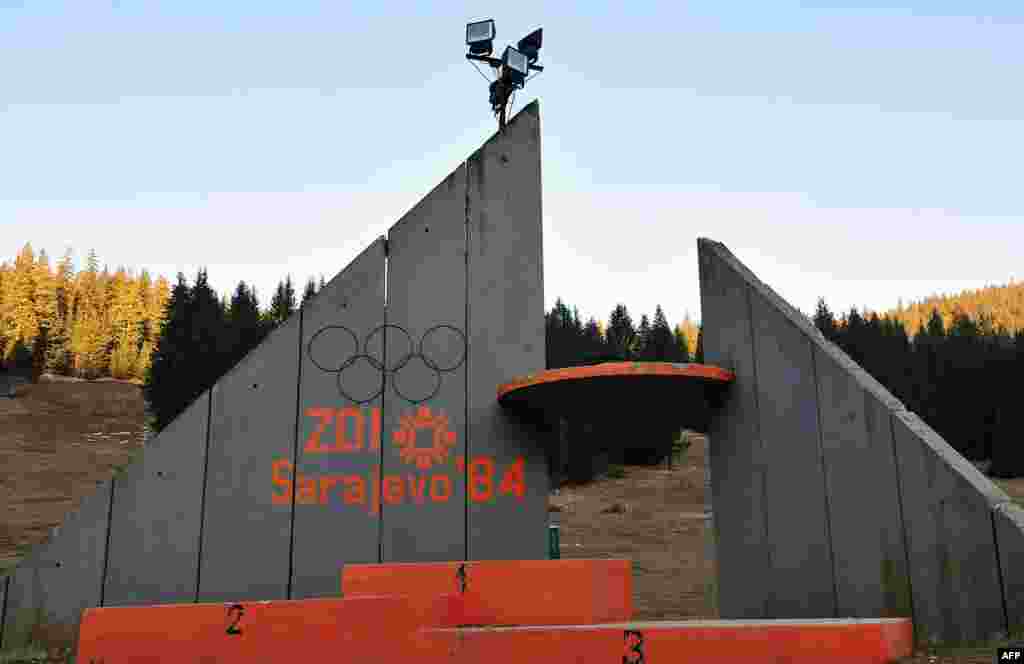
(554, 547)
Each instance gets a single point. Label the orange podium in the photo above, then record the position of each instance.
(500, 612)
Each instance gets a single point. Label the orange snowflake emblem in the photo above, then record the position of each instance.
(442, 441)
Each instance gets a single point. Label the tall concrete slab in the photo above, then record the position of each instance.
(154, 533)
(795, 504)
(1009, 525)
(424, 448)
(246, 531)
(508, 504)
(337, 512)
(735, 454)
(908, 516)
(857, 443)
(954, 569)
(49, 589)
(343, 437)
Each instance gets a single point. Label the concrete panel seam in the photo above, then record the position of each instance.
(824, 480)
(903, 523)
(469, 438)
(202, 497)
(295, 456)
(999, 571)
(383, 401)
(761, 465)
(3, 608)
(106, 547)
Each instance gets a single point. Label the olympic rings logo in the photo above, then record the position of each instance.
(389, 370)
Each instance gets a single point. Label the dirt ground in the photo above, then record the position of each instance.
(57, 441)
(654, 517)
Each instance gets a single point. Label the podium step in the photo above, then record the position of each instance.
(366, 629)
(508, 592)
(705, 642)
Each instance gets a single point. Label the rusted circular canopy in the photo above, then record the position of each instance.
(647, 391)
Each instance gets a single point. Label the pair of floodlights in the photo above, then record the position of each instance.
(513, 67)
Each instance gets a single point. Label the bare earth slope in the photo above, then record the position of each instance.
(57, 441)
(655, 517)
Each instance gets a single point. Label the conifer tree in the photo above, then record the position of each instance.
(660, 345)
(155, 300)
(682, 345)
(642, 338)
(689, 330)
(620, 333)
(58, 347)
(594, 345)
(309, 291)
(90, 335)
(282, 305)
(825, 321)
(167, 385)
(247, 328)
(20, 320)
(208, 330)
(4, 277)
(125, 313)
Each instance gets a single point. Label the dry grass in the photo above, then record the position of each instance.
(57, 440)
(1014, 488)
(654, 517)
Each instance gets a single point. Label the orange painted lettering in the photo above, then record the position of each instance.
(284, 498)
(374, 480)
(355, 490)
(326, 416)
(393, 489)
(306, 494)
(417, 489)
(513, 482)
(440, 488)
(375, 428)
(325, 488)
(343, 442)
(481, 479)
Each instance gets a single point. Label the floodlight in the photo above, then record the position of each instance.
(479, 37)
(515, 65)
(530, 45)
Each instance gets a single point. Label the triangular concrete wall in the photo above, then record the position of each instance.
(830, 498)
(339, 403)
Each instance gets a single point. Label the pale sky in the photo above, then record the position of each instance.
(860, 154)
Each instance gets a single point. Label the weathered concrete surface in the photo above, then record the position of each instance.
(1009, 523)
(156, 514)
(795, 502)
(910, 521)
(857, 444)
(506, 339)
(63, 576)
(424, 502)
(246, 534)
(735, 450)
(337, 520)
(947, 506)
